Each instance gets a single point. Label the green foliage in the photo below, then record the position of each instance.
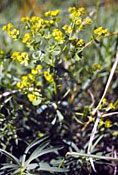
(24, 165)
(56, 80)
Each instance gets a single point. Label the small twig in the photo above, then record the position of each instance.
(115, 168)
(107, 85)
(5, 94)
(92, 98)
(110, 114)
(98, 38)
(76, 155)
(94, 130)
(90, 119)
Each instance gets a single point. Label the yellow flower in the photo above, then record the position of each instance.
(48, 76)
(14, 34)
(22, 85)
(104, 101)
(31, 77)
(15, 55)
(88, 20)
(20, 57)
(108, 124)
(24, 58)
(51, 21)
(82, 10)
(31, 97)
(4, 28)
(18, 85)
(40, 134)
(47, 13)
(26, 37)
(34, 71)
(58, 35)
(52, 13)
(7, 27)
(96, 66)
(100, 123)
(37, 26)
(24, 78)
(25, 19)
(78, 22)
(72, 9)
(80, 43)
(39, 67)
(112, 106)
(115, 133)
(34, 18)
(68, 29)
(76, 13)
(100, 31)
(65, 27)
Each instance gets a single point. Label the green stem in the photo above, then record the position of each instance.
(76, 155)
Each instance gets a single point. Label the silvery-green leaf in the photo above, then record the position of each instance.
(32, 166)
(9, 155)
(37, 102)
(46, 167)
(60, 116)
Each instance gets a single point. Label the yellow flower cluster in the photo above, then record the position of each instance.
(23, 84)
(58, 36)
(100, 31)
(14, 33)
(25, 19)
(48, 76)
(7, 27)
(88, 21)
(30, 84)
(108, 124)
(111, 106)
(104, 101)
(34, 97)
(74, 12)
(68, 29)
(35, 23)
(28, 80)
(22, 58)
(76, 17)
(53, 13)
(96, 66)
(26, 38)
(31, 97)
(80, 43)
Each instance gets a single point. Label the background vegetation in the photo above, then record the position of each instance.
(41, 138)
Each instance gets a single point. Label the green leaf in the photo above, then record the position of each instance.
(7, 166)
(60, 116)
(10, 156)
(46, 167)
(37, 102)
(39, 152)
(36, 142)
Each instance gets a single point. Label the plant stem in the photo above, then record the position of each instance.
(76, 155)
